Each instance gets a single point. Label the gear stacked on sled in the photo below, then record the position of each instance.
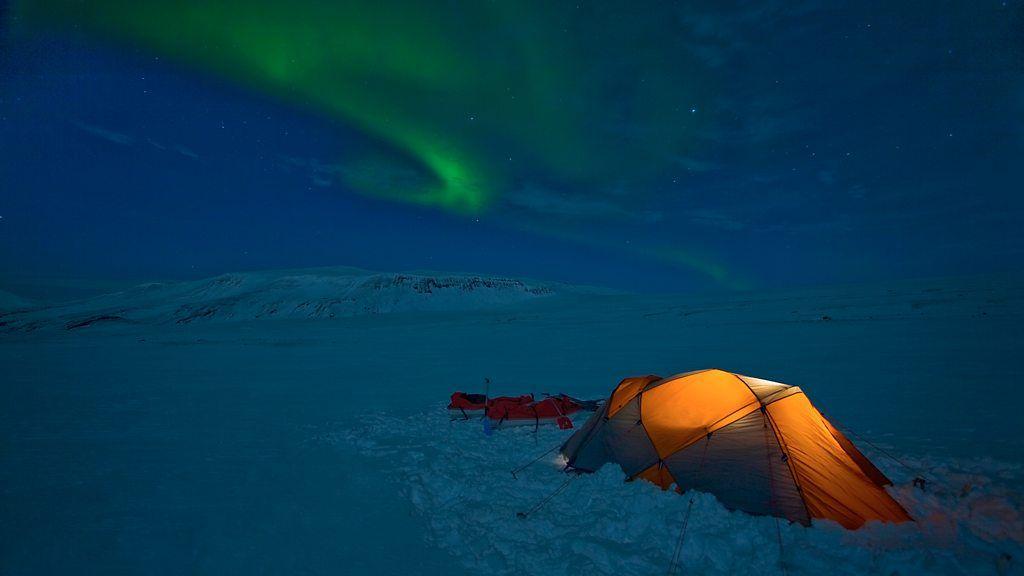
(518, 410)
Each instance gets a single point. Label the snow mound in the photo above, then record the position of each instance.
(971, 521)
(312, 294)
(10, 302)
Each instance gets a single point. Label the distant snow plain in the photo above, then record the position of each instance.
(294, 422)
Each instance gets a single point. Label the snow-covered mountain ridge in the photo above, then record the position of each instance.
(310, 294)
(10, 301)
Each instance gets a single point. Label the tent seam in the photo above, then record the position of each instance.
(789, 464)
(691, 443)
(680, 376)
(790, 391)
(744, 382)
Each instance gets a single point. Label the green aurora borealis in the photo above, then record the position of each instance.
(464, 102)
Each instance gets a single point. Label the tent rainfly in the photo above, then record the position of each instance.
(758, 446)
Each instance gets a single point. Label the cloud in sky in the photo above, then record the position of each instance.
(540, 202)
(185, 151)
(715, 218)
(126, 140)
(106, 134)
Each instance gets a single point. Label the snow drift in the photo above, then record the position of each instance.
(970, 521)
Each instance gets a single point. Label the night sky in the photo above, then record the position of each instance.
(645, 146)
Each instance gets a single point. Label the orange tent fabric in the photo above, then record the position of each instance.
(757, 445)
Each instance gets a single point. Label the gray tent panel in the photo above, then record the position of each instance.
(762, 388)
(743, 467)
(585, 450)
(626, 440)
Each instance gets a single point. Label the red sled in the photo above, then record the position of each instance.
(518, 410)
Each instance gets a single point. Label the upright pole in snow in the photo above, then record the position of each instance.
(487, 419)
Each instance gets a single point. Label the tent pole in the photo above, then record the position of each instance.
(771, 489)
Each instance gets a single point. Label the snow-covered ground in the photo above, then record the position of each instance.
(242, 442)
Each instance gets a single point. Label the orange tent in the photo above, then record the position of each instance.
(758, 446)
